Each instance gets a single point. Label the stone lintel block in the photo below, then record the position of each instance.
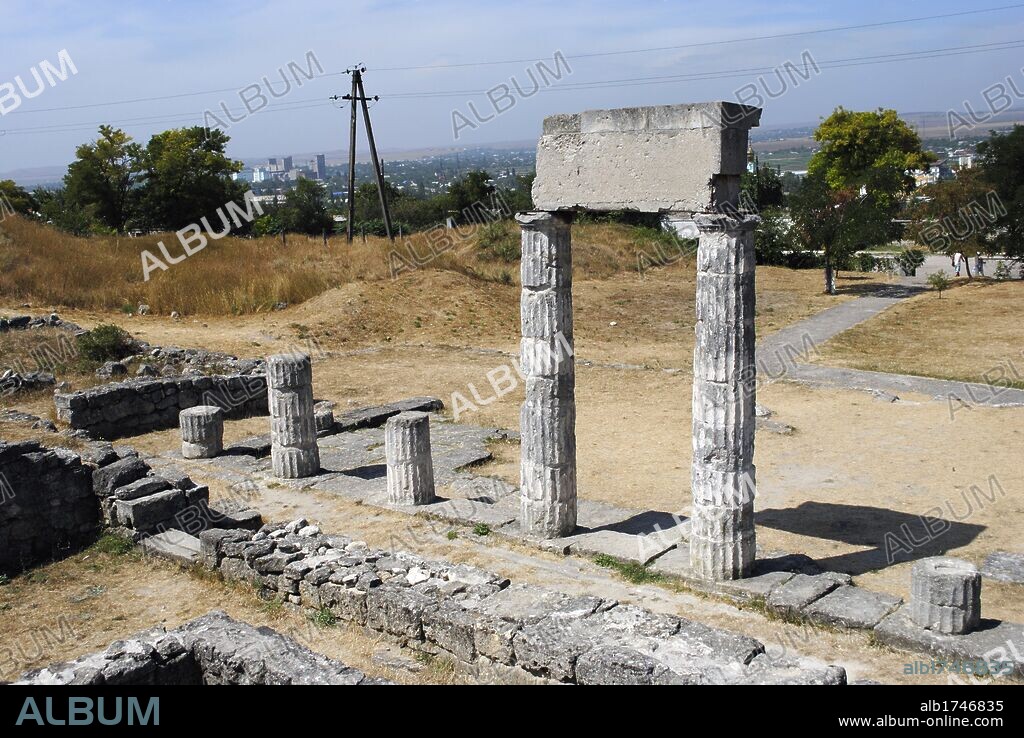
(668, 158)
(289, 371)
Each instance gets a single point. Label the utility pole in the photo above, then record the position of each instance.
(358, 96)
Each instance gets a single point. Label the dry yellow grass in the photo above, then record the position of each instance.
(971, 333)
(233, 276)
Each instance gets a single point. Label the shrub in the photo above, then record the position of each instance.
(498, 241)
(1002, 271)
(939, 281)
(909, 260)
(773, 237)
(866, 262)
(105, 343)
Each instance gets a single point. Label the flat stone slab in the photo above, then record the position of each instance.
(801, 590)
(463, 512)
(998, 644)
(377, 415)
(852, 607)
(175, 545)
(1004, 566)
(639, 549)
(255, 446)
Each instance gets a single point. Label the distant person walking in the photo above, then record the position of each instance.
(979, 265)
(957, 261)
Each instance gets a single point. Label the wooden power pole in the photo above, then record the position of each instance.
(358, 97)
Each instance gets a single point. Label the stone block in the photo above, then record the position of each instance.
(660, 159)
(852, 607)
(147, 513)
(945, 595)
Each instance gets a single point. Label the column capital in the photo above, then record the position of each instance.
(728, 222)
(534, 219)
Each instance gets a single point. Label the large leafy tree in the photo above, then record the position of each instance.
(56, 208)
(188, 177)
(103, 177)
(857, 182)
(306, 209)
(763, 187)
(1002, 160)
(469, 194)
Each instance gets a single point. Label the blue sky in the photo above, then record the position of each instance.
(129, 50)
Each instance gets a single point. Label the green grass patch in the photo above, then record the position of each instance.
(630, 571)
(323, 618)
(481, 529)
(110, 543)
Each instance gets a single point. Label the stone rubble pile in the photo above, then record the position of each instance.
(212, 649)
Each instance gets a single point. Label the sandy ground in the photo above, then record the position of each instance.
(853, 480)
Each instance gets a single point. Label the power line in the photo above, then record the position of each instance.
(588, 55)
(742, 73)
(702, 44)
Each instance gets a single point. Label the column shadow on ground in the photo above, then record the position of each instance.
(893, 537)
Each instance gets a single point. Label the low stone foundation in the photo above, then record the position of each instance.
(47, 506)
(213, 649)
(139, 406)
(507, 632)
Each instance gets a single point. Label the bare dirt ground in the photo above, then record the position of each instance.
(853, 470)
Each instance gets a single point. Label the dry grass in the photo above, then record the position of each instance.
(971, 334)
(233, 276)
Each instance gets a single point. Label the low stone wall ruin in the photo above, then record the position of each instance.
(139, 406)
(495, 630)
(213, 649)
(47, 505)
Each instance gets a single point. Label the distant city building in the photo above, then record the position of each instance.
(273, 161)
(936, 172)
(321, 166)
(287, 164)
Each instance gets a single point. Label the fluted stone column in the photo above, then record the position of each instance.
(722, 528)
(202, 431)
(548, 417)
(410, 467)
(945, 595)
(294, 453)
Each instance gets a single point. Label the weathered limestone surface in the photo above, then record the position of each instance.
(660, 159)
(722, 542)
(202, 431)
(945, 595)
(294, 453)
(548, 415)
(410, 467)
(212, 649)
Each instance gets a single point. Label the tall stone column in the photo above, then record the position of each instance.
(294, 453)
(722, 534)
(547, 420)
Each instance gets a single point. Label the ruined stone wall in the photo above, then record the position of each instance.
(140, 406)
(47, 505)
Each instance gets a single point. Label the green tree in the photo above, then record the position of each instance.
(56, 208)
(955, 215)
(15, 198)
(188, 177)
(774, 236)
(306, 209)
(103, 177)
(857, 182)
(468, 195)
(1002, 161)
(763, 187)
(837, 222)
(939, 281)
